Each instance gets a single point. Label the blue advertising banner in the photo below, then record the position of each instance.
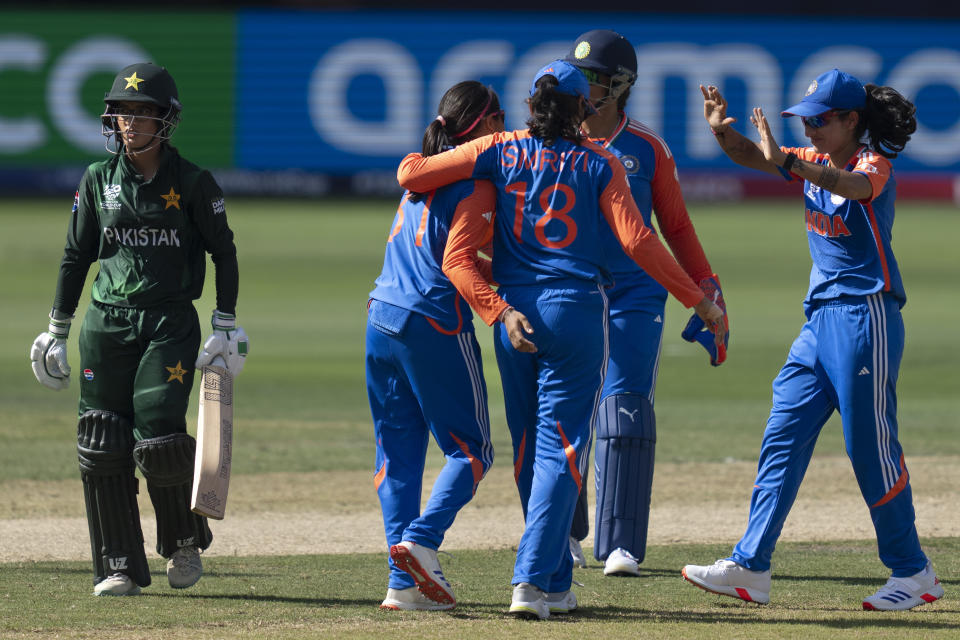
(347, 92)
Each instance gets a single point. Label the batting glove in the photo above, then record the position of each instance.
(695, 331)
(227, 341)
(48, 354)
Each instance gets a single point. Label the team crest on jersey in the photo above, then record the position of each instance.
(813, 87)
(172, 199)
(177, 372)
(630, 163)
(582, 50)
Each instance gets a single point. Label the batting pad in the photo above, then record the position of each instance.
(104, 444)
(167, 464)
(626, 439)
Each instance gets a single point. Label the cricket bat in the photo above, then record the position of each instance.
(211, 471)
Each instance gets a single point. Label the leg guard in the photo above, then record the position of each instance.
(104, 443)
(167, 464)
(626, 438)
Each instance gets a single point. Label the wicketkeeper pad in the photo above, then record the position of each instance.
(626, 440)
(167, 464)
(104, 445)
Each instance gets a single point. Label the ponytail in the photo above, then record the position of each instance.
(888, 120)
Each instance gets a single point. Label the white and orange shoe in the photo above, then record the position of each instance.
(411, 599)
(422, 565)
(728, 578)
(900, 594)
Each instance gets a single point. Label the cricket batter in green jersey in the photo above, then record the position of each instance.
(148, 217)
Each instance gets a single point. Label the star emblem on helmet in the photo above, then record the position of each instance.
(173, 199)
(133, 81)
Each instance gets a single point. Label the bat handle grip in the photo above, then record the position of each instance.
(218, 361)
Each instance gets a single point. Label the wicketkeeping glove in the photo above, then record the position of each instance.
(48, 355)
(695, 331)
(228, 341)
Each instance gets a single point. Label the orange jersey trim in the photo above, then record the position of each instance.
(518, 461)
(638, 240)
(381, 474)
(571, 455)
(475, 465)
(471, 230)
(897, 488)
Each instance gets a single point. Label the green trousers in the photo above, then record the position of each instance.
(139, 363)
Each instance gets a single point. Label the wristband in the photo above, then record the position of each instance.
(791, 158)
(59, 327)
(503, 313)
(223, 321)
(717, 132)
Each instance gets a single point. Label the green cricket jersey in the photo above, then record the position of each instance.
(150, 237)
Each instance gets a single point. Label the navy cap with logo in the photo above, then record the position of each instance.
(831, 90)
(570, 80)
(604, 51)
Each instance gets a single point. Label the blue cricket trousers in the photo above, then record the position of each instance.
(847, 357)
(422, 381)
(551, 399)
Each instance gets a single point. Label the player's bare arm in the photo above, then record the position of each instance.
(738, 147)
(850, 185)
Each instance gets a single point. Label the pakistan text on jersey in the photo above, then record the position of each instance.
(514, 156)
(144, 237)
(824, 225)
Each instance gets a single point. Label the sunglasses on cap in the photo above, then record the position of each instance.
(815, 122)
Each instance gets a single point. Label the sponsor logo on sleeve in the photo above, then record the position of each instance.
(218, 207)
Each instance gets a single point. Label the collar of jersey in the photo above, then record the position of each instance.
(616, 132)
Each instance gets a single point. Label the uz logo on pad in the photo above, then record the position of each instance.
(118, 563)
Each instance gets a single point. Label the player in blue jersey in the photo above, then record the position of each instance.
(423, 363)
(556, 195)
(847, 356)
(626, 425)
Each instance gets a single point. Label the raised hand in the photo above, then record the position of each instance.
(715, 109)
(771, 150)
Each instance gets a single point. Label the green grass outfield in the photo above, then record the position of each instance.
(306, 269)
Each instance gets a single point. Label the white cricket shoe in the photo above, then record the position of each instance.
(422, 565)
(411, 599)
(621, 562)
(728, 578)
(529, 602)
(576, 552)
(906, 593)
(119, 584)
(184, 567)
(561, 601)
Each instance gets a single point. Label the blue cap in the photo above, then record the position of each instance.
(570, 80)
(831, 90)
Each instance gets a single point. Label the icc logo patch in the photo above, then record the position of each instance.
(88, 374)
(630, 163)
